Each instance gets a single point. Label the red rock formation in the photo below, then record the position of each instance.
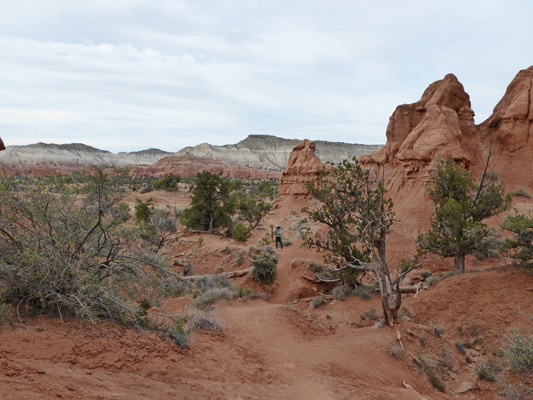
(511, 128)
(2, 146)
(442, 122)
(303, 166)
(189, 165)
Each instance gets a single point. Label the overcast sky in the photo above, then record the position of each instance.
(125, 75)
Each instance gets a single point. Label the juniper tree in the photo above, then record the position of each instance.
(520, 245)
(460, 207)
(358, 215)
(212, 204)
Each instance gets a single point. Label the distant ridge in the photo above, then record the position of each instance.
(75, 153)
(256, 151)
(271, 152)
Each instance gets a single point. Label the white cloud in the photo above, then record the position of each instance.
(134, 74)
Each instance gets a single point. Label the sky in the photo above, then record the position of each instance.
(127, 75)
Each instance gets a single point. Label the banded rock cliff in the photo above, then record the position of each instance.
(271, 152)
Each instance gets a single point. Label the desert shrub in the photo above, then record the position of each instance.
(490, 247)
(341, 292)
(434, 379)
(260, 295)
(204, 321)
(405, 313)
(460, 346)
(241, 232)
(522, 193)
(212, 296)
(315, 267)
(512, 392)
(363, 292)
(177, 333)
(370, 314)
(518, 348)
(317, 301)
(171, 286)
(204, 283)
(487, 371)
(432, 375)
(242, 291)
(65, 250)
(287, 242)
(5, 314)
(169, 182)
(520, 244)
(396, 351)
(158, 228)
(438, 330)
(265, 266)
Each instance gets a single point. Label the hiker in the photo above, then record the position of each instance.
(277, 232)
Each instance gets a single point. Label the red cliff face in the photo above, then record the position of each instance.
(440, 123)
(303, 166)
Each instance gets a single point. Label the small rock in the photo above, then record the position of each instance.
(464, 387)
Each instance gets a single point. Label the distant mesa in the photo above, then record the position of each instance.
(257, 156)
(272, 153)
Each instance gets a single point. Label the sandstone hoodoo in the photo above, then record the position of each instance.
(303, 166)
(440, 123)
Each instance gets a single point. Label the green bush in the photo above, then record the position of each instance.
(363, 292)
(212, 296)
(341, 292)
(522, 193)
(178, 334)
(317, 301)
(5, 314)
(487, 371)
(241, 232)
(65, 250)
(204, 321)
(265, 266)
(518, 348)
(169, 182)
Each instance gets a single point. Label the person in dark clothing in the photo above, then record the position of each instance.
(277, 233)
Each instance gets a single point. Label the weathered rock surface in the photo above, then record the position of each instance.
(270, 152)
(303, 166)
(440, 123)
